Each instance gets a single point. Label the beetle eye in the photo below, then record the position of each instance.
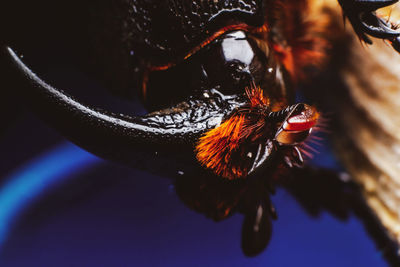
(230, 64)
(234, 62)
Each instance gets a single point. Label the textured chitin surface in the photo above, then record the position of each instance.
(169, 27)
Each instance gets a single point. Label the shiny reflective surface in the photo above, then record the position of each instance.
(241, 52)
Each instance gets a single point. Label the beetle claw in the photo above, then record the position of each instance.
(377, 27)
(365, 21)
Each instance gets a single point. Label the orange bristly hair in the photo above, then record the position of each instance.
(220, 149)
(215, 149)
(256, 97)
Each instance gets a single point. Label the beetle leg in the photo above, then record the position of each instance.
(294, 158)
(366, 23)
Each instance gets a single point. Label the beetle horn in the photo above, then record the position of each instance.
(108, 134)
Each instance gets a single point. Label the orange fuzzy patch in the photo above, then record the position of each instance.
(216, 148)
(220, 149)
(256, 97)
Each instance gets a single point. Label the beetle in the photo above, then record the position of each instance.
(216, 50)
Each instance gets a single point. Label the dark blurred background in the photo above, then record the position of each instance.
(61, 206)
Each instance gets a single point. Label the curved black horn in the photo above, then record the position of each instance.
(116, 136)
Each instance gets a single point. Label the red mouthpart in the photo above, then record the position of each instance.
(303, 120)
(297, 127)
